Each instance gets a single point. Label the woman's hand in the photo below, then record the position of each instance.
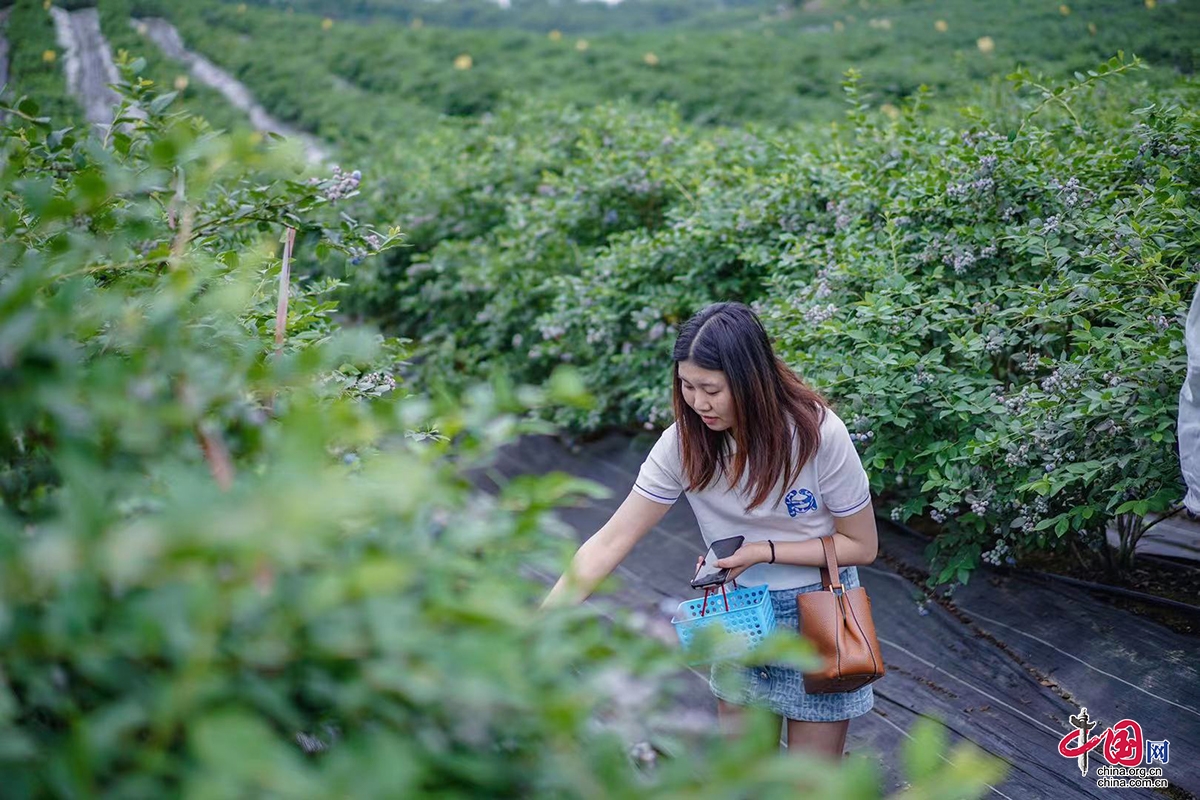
(742, 560)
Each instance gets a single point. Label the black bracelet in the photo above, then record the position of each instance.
(772, 561)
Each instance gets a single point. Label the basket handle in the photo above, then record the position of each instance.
(708, 590)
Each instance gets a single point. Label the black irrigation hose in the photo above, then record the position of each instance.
(1130, 593)
(1152, 558)
(1089, 585)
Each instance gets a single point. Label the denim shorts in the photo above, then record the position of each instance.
(781, 689)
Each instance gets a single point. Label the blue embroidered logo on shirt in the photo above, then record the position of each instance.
(803, 505)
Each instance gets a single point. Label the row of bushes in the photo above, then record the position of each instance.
(995, 307)
(35, 65)
(777, 70)
(536, 15)
(1000, 312)
(277, 66)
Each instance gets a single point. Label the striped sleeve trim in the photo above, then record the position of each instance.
(652, 496)
(859, 506)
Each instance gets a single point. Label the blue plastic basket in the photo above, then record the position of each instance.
(749, 620)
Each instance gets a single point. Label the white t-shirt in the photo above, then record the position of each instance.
(833, 484)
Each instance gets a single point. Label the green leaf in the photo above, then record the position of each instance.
(160, 103)
(924, 748)
(566, 385)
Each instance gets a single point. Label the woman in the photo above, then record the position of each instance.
(743, 419)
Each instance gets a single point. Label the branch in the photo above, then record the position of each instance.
(212, 445)
(1168, 515)
(217, 455)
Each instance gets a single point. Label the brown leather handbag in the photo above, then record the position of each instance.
(838, 622)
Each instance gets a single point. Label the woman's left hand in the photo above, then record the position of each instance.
(746, 556)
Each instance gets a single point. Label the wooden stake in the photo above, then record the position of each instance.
(284, 279)
(184, 232)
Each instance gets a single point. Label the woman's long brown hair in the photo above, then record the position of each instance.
(766, 394)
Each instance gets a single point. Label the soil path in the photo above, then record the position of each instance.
(87, 62)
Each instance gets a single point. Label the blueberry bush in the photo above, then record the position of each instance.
(999, 312)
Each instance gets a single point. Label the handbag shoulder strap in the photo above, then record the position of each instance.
(829, 572)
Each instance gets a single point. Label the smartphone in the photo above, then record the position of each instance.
(709, 574)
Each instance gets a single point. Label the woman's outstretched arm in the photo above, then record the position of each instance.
(607, 548)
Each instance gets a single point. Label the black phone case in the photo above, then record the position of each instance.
(722, 548)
